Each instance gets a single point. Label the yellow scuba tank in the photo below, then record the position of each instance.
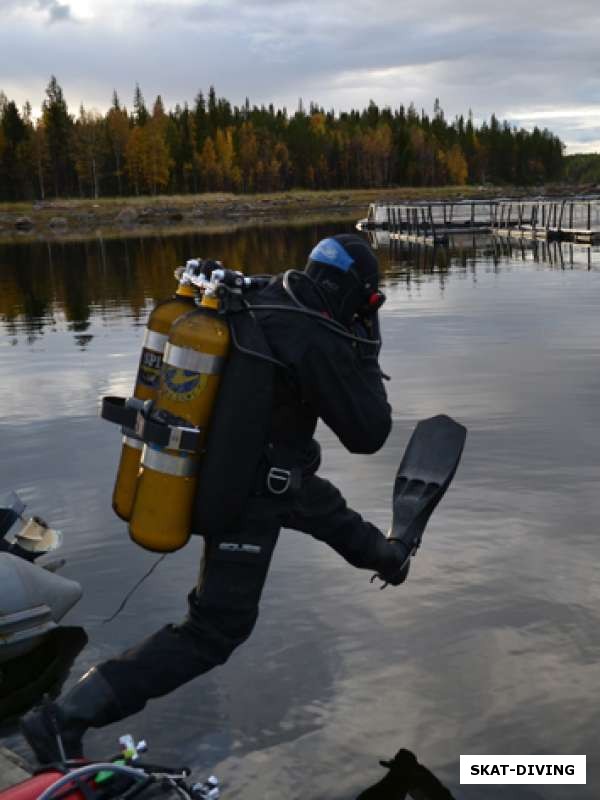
(193, 361)
(147, 385)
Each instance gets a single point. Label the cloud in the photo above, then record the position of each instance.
(51, 10)
(57, 12)
(489, 59)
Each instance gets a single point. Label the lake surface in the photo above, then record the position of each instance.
(493, 645)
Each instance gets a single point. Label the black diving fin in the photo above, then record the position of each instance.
(425, 472)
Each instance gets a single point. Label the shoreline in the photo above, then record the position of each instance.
(75, 219)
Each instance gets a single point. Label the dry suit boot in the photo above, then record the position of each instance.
(54, 731)
(425, 472)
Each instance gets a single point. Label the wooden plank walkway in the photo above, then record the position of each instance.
(567, 219)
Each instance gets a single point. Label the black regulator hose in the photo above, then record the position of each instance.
(296, 273)
(332, 325)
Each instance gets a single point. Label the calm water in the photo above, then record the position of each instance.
(493, 646)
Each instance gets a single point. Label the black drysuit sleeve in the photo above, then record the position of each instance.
(346, 390)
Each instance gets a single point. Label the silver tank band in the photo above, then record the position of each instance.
(136, 444)
(180, 466)
(154, 341)
(192, 360)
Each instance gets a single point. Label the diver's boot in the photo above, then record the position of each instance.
(393, 561)
(54, 731)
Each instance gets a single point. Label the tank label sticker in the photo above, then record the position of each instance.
(182, 385)
(149, 371)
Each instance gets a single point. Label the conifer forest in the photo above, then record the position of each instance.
(213, 146)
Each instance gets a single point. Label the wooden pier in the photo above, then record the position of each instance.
(575, 219)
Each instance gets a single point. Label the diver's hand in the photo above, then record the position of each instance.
(367, 328)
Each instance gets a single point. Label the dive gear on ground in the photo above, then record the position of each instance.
(123, 776)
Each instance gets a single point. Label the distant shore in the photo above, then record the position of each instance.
(129, 216)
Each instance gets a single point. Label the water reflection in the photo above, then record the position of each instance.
(493, 646)
(465, 250)
(45, 283)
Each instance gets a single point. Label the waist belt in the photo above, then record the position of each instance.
(138, 421)
(282, 473)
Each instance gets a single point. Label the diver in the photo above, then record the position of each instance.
(322, 328)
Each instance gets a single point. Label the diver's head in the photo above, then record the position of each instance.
(346, 270)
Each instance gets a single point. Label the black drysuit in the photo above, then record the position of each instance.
(328, 377)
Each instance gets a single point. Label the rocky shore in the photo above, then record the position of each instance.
(82, 218)
(60, 218)
(127, 216)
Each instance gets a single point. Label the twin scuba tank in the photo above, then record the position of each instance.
(185, 349)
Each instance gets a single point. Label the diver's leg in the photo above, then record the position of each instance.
(320, 510)
(223, 609)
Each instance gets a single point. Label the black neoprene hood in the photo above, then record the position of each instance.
(347, 271)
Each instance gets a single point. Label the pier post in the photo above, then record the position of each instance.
(571, 215)
(560, 219)
(589, 216)
(432, 223)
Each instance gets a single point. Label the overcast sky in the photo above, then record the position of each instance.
(534, 63)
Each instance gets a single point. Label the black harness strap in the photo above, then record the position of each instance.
(136, 420)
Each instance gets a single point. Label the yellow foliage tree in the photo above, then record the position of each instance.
(118, 131)
(209, 167)
(247, 155)
(317, 123)
(225, 153)
(157, 161)
(135, 159)
(456, 165)
(377, 151)
(148, 161)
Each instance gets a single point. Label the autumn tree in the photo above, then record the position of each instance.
(216, 146)
(208, 164)
(456, 165)
(247, 155)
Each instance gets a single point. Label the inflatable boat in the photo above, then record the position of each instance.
(33, 598)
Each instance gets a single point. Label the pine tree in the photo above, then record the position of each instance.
(140, 112)
(88, 145)
(58, 130)
(117, 132)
